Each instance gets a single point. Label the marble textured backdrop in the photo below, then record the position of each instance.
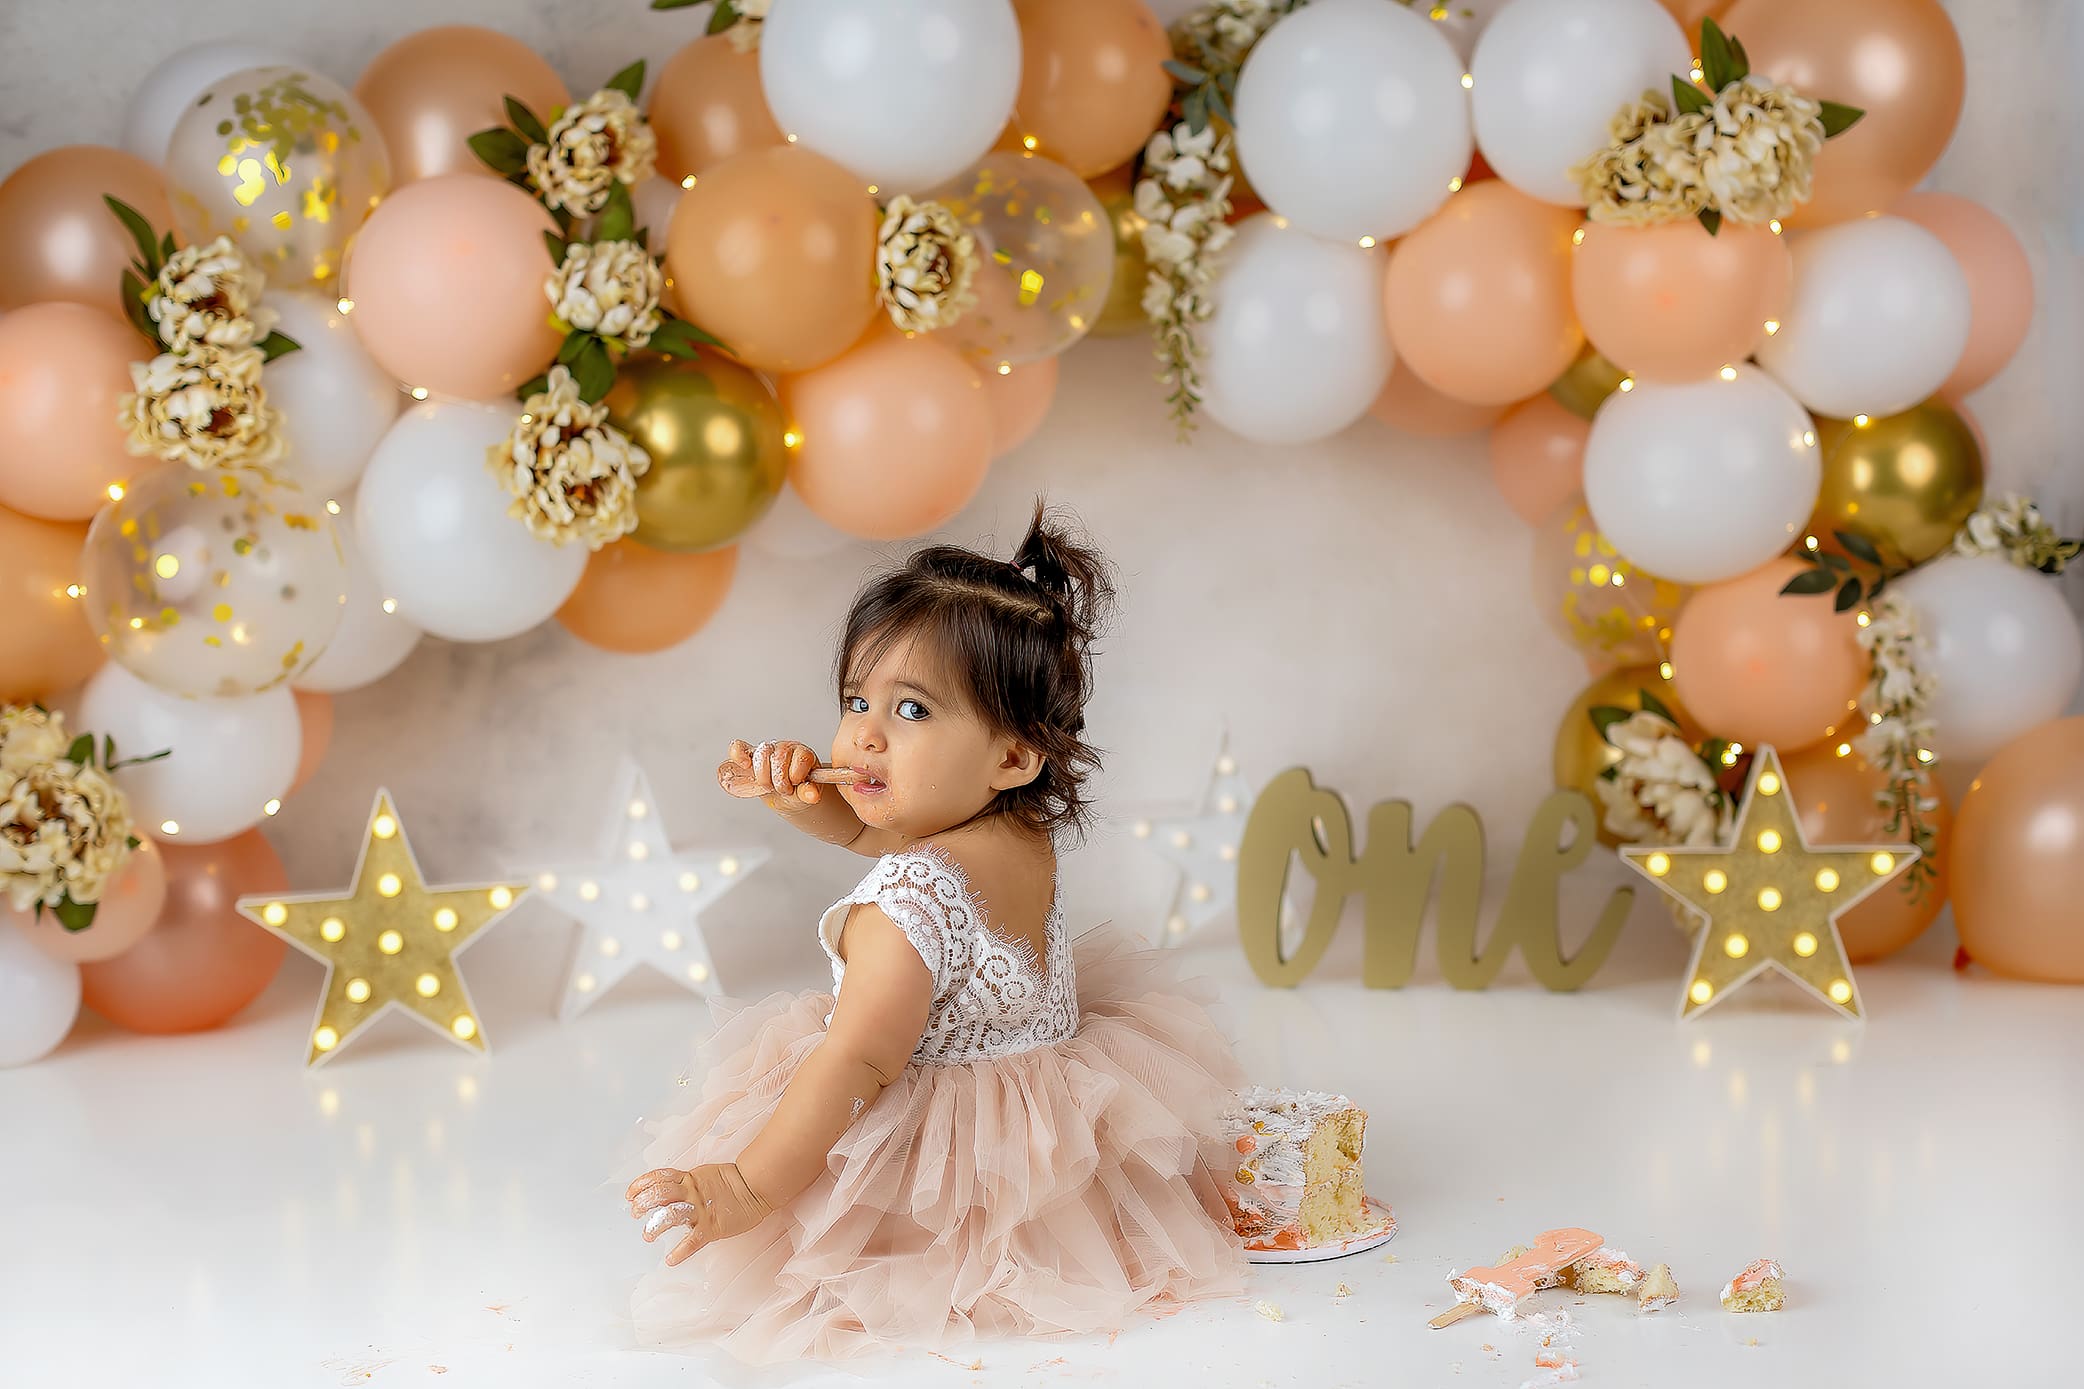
(1357, 606)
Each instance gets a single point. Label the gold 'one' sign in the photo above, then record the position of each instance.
(1295, 819)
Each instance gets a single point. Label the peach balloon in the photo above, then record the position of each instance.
(1479, 296)
(896, 438)
(59, 240)
(447, 283)
(635, 600)
(774, 252)
(203, 962)
(1755, 666)
(1538, 457)
(2018, 857)
(129, 907)
(45, 642)
(432, 90)
(1898, 60)
(1093, 84)
(1672, 303)
(1409, 406)
(1018, 400)
(315, 714)
(63, 369)
(707, 106)
(2000, 281)
(1834, 797)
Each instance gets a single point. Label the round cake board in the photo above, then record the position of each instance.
(1382, 1232)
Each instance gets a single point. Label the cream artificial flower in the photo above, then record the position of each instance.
(209, 294)
(1650, 171)
(573, 476)
(2015, 528)
(1661, 791)
(745, 34)
(205, 408)
(29, 737)
(1756, 148)
(925, 262)
(64, 828)
(608, 287)
(595, 143)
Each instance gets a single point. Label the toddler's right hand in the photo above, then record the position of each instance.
(770, 769)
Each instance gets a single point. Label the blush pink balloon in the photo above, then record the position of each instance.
(203, 962)
(59, 240)
(896, 437)
(130, 906)
(315, 713)
(63, 368)
(1018, 401)
(1975, 426)
(2000, 281)
(1755, 666)
(447, 282)
(1672, 303)
(1479, 296)
(1538, 457)
(1409, 406)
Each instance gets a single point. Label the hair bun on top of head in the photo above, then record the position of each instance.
(1067, 569)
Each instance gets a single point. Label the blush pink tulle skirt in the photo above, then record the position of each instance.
(1062, 1189)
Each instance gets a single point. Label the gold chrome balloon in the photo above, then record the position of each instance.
(1906, 481)
(1586, 383)
(1122, 315)
(285, 162)
(718, 456)
(1581, 754)
(1595, 597)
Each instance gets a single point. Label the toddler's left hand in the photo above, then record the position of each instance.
(712, 1201)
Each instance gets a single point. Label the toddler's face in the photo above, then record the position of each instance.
(932, 762)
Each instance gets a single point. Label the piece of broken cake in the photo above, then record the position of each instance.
(1604, 1270)
(1756, 1289)
(1297, 1180)
(1657, 1291)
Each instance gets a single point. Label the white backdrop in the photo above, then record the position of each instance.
(1358, 606)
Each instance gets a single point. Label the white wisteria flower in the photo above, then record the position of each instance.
(205, 409)
(1898, 737)
(64, 827)
(209, 293)
(1183, 197)
(591, 146)
(925, 263)
(572, 475)
(607, 287)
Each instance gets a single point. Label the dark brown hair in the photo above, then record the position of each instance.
(1018, 635)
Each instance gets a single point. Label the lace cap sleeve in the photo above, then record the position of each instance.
(930, 904)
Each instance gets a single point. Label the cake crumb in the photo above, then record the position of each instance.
(1268, 1310)
(1342, 1291)
(1658, 1291)
(1389, 1258)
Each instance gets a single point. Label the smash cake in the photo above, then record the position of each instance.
(1294, 1179)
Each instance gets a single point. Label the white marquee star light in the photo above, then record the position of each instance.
(1203, 845)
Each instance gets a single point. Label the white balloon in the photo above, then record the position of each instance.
(371, 643)
(229, 757)
(432, 522)
(1351, 119)
(39, 999)
(335, 401)
(1705, 481)
(2002, 647)
(1298, 347)
(1551, 74)
(906, 93)
(1877, 321)
(161, 99)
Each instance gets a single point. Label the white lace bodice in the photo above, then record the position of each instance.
(991, 996)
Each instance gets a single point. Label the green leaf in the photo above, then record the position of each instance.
(1742, 59)
(161, 755)
(673, 4)
(1688, 97)
(1837, 564)
(1717, 63)
(108, 751)
(140, 230)
(676, 337)
(1605, 716)
(1653, 705)
(1195, 109)
(1811, 581)
(1219, 107)
(618, 221)
(75, 916)
(166, 246)
(278, 345)
(557, 245)
(1859, 546)
(1186, 72)
(500, 150)
(1839, 118)
(531, 386)
(593, 371)
(1710, 219)
(526, 122)
(723, 16)
(1848, 595)
(134, 308)
(574, 343)
(81, 753)
(629, 81)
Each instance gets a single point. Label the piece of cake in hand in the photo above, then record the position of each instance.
(1297, 1180)
(1659, 1290)
(1756, 1289)
(1603, 1270)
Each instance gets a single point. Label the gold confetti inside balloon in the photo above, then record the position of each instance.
(714, 433)
(1905, 481)
(1046, 252)
(1595, 597)
(285, 162)
(213, 583)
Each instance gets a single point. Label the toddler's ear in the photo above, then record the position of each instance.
(1018, 765)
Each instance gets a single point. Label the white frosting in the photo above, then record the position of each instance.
(1280, 1122)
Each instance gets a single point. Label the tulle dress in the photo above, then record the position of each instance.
(1039, 1166)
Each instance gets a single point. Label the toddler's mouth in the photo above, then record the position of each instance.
(867, 783)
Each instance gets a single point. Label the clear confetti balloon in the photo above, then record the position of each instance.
(1595, 597)
(1046, 259)
(214, 583)
(285, 162)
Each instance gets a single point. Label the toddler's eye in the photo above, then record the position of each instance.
(854, 704)
(911, 710)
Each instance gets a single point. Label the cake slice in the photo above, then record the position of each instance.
(1297, 1180)
(1756, 1289)
(1659, 1290)
(1603, 1270)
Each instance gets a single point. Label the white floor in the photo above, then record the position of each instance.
(199, 1211)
